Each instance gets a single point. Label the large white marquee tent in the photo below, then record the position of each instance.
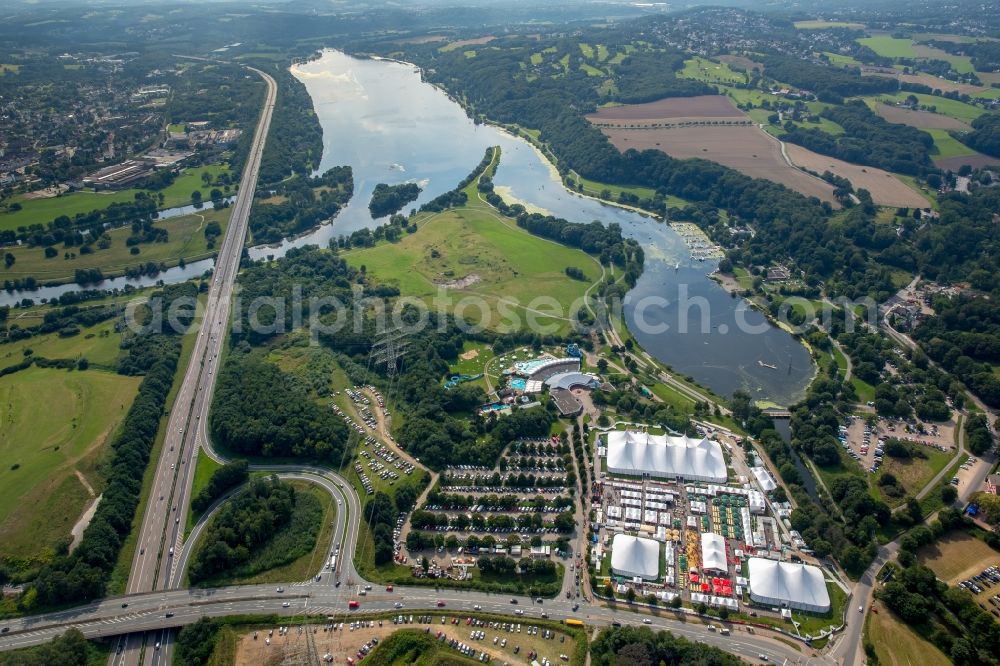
(799, 586)
(634, 556)
(638, 454)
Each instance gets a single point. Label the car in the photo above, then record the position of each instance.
(398, 604)
(142, 551)
(861, 609)
(477, 607)
(513, 601)
(285, 605)
(763, 657)
(440, 604)
(157, 645)
(125, 605)
(4, 630)
(169, 614)
(576, 607)
(646, 620)
(280, 589)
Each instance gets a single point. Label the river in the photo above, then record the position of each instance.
(380, 118)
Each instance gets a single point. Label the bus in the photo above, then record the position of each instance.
(572, 622)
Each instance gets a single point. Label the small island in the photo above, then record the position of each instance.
(389, 199)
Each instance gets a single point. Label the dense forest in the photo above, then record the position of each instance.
(867, 139)
(223, 479)
(830, 84)
(242, 527)
(259, 410)
(68, 649)
(964, 338)
(83, 574)
(389, 199)
(301, 203)
(985, 134)
(641, 646)
(295, 140)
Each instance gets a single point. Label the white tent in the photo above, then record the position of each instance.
(638, 454)
(764, 479)
(799, 586)
(634, 556)
(713, 552)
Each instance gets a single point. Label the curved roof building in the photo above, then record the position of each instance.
(640, 454)
(568, 380)
(787, 584)
(634, 556)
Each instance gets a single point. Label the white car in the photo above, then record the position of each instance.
(285, 605)
(646, 620)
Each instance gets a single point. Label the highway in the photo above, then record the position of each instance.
(163, 523)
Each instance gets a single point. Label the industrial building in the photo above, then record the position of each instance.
(661, 456)
(635, 557)
(788, 585)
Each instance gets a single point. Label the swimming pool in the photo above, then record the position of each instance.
(518, 384)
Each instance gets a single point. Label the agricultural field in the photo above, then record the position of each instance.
(957, 556)
(703, 69)
(5, 67)
(43, 211)
(896, 644)
(820, 25)
(742, 147)
(886, 189)
(889, 47)
(919, 119)
(186, 240)
(474, 251)
(462, 43)
(944, 85)
(975, 160)
(53, 465)
(678, 109)
(961, 64)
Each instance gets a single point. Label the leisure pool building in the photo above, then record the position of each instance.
(665, 457)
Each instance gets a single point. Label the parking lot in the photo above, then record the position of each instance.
(863, 442)
(510, 642)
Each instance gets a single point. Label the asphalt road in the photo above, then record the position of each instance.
(162, 531)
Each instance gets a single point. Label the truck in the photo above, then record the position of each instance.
(572, 622)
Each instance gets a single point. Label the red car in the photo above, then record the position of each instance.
(440, 604)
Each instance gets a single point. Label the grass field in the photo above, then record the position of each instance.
(186, 239)
(473, 251)
(913, 474)
(673, 397)
(536, 59)
(590, 70)
(889, 47)
(703, 69)
(957, 556)
(949, 107)
(947, 146)
(312, 519)
(898, 645)
(43, 211)
(203, 471)
(51, 464)
(841, 60)
(587, 50)
(98, 343)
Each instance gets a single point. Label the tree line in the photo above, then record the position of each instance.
(308, 202)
